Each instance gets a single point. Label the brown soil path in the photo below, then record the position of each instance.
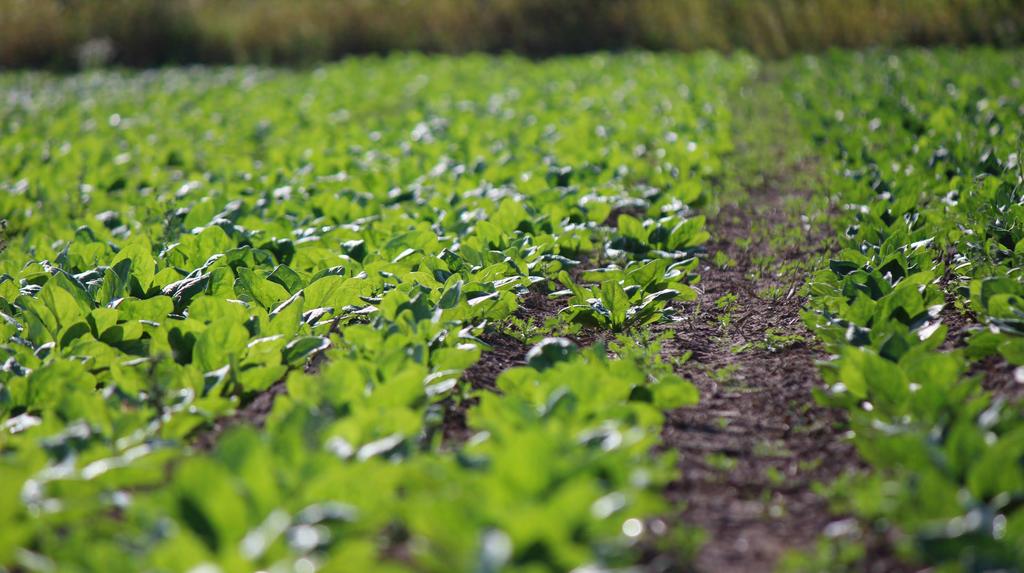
(753, 450)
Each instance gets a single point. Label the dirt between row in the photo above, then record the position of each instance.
(752, 451)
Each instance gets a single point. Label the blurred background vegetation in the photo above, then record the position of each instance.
(77, 33)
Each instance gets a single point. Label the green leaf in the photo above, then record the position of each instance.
(549, 352)
(673, 392)
(210, 309)
(155, 309)
(116, 280)
(215, 345)
(287, 278)
(450, 298)
(631, 227)
(868, 375)
(301, 348)
(211, 241)
(616, 301)
(61, 303)
(1013, 351)
(250, 286)
(81, 297)
(842, 268)
(182, 292)
(329, 291)
(143, 266)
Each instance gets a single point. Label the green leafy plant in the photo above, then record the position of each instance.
(609, 306)
(240, 307)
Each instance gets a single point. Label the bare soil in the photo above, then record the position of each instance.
(505, 352)
(253, 413)
(998, 378)
(752, 451)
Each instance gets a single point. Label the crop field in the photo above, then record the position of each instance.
(596, 313)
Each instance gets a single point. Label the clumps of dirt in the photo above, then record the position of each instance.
(632, 210)
(999, 377)
(752, 451)
(253, 413)
(505, 352)
(536, 307)
(960, 325)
